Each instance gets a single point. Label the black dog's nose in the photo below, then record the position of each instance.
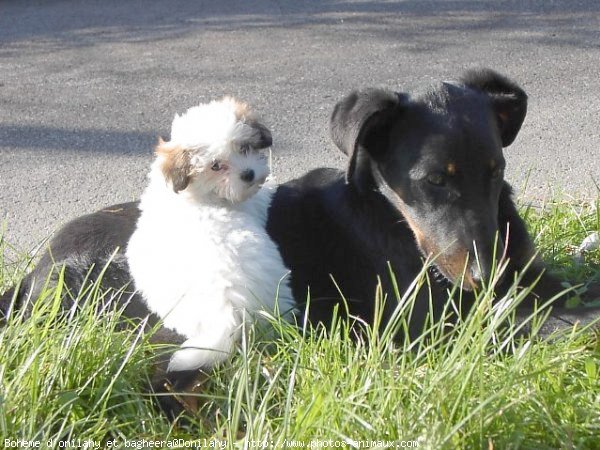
(477, 276)
(483, 275)
(247, 175)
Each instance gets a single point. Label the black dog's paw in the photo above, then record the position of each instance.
(590, 294)
(579, 316)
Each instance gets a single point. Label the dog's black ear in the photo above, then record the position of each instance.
(359, 127)
(176, 165)
(508, 100)
(261, 136)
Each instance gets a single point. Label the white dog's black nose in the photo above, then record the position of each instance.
(247, 175)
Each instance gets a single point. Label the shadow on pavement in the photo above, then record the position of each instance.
(91, 140)
(86, 22)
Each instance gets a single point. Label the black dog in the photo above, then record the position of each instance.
(85, 248)
(425, 179)
(92, 248)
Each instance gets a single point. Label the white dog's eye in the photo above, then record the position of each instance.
(216, 166)
(244, 149)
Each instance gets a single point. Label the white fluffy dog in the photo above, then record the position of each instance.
(200, 255)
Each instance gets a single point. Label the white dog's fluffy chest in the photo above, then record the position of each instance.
(205, 269)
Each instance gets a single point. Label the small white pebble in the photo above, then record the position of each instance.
(589, 243)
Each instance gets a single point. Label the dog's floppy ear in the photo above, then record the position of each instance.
(508, 100)
(261, 136)
(359, 126)
(176, 164)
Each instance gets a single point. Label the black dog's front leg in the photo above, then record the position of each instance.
(522, 254)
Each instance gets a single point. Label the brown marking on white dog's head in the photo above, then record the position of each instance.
(261, 136)
(176, 164)
(242, 110)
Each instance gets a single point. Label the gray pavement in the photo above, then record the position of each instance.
(87, 86)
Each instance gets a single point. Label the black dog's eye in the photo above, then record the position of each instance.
(216, 166)
(497, 173)
(436, 178)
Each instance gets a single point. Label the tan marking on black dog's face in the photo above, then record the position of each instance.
(455, 267)
(451, 169)
(496, 170)
(452, 262)
(420, 236)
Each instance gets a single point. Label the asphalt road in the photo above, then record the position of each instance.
(87, 86)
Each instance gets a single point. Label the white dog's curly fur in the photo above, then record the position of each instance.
(200, 255)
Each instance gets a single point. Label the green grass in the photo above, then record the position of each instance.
(81, 376)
